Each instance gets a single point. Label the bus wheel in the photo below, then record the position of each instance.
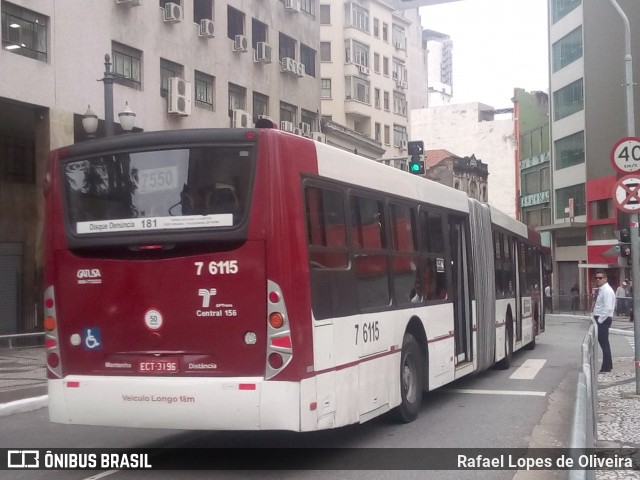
(411, 380)
(505, 363)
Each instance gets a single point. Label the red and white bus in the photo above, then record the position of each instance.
(254, 279)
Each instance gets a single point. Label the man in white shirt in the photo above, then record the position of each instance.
(603, 315)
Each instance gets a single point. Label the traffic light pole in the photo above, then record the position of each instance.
(633, 227)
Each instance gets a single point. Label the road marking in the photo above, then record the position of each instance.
(102, 474)
(528, 370)
(499, 392)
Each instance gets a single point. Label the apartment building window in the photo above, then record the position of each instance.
(237, 98)
(386, 101)
(164, 2)
(204, 90)
(561, 8)
(387, 134)
(288, 113)
(569, 150)
(601, 209)
(568, 100)
(325, 51)
(376, 97)
(377, 131)
(126, 65)
(537, 218)
(325, 14)
(308, 6)
(376, 62)
(358, 89)
(399, 135)
(562, 200)
(376, 28)
(287, 47)
(260, 105)
(399, 103)
(308, 59)
(356, 52)
(385, 66)
(24, 32)
(602, 232)
(567, 50)
(399, 72)
(17, 160)
(356, 16)
(310, 118)
(168, 69)
(235, 23)
(202, 10)
(259, 32)
(385, 32)
(398, 37)
(325, 88)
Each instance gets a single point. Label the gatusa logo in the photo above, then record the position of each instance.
(89, 273)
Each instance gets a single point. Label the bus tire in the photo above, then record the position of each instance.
(505, 363)
(411, 380)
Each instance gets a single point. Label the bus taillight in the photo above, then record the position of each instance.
(51, 343)
(279, 345)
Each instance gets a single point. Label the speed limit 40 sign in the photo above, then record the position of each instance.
(625, 155)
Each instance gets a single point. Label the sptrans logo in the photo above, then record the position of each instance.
(89, 275)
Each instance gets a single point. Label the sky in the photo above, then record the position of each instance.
(498, 45)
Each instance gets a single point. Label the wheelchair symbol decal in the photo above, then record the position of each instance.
(91, 339)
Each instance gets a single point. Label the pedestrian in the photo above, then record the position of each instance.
(603, 316)
(548, 301)
(621, 299)
(575, 297)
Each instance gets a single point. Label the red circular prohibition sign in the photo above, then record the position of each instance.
(626, 194)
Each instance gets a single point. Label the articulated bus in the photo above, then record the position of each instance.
(252, 279)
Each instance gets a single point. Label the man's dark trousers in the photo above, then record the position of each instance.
(603, 340)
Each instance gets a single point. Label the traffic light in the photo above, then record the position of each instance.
(625, 243)
(416, 157)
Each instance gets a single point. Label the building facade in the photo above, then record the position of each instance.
(472, 128)
(588, 116)
(236, 60)
(468, 174)
(533, 157)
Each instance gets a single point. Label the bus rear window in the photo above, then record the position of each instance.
(185, 188)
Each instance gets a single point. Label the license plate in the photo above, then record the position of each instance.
(159, 366)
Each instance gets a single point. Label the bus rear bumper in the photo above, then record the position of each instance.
(176, 403)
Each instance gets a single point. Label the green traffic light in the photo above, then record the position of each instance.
(415, 167)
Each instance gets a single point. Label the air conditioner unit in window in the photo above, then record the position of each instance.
(206, 28)
(179, 100)
(292, 5)
(300, 69)
(398, 45)
(172, 12)
(128, 3)
(364, 70)
(288, 65)
(305, 127)
(319, 137)
(403, 144)
(240, 44)
(241, 119)
(286, 126)
(262, 53)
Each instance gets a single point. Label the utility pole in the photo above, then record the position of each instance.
(633, 227)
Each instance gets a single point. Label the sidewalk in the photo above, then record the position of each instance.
(618, 406)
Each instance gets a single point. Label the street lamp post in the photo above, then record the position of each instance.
(127, 116)
(108, 96)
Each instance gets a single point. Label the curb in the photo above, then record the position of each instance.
(23, 406)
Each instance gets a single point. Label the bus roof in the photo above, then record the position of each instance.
(347, 167)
